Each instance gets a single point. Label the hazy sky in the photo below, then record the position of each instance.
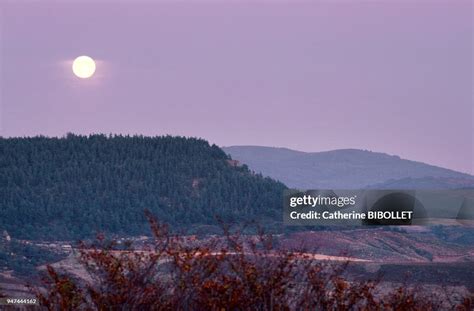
(389, 76)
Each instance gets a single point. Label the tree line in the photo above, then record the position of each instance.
(75, 186)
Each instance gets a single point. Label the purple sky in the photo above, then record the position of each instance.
(389, 76)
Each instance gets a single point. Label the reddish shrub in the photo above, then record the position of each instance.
(235, 273)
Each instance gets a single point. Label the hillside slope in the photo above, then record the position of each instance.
(72, 187)
(342, 169)
(427, 183)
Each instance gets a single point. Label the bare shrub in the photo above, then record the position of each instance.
(236, 272)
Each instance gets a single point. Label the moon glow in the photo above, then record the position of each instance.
(83, 67)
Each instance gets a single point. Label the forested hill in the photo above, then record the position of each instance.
(73, 187)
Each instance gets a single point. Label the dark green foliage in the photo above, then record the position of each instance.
(73, 187)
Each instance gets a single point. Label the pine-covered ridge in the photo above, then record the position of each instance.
(75, 186)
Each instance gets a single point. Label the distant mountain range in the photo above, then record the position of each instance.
(346, 169)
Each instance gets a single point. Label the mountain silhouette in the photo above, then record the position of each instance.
(341, 169)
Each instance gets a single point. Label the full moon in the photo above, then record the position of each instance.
(83, 67)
